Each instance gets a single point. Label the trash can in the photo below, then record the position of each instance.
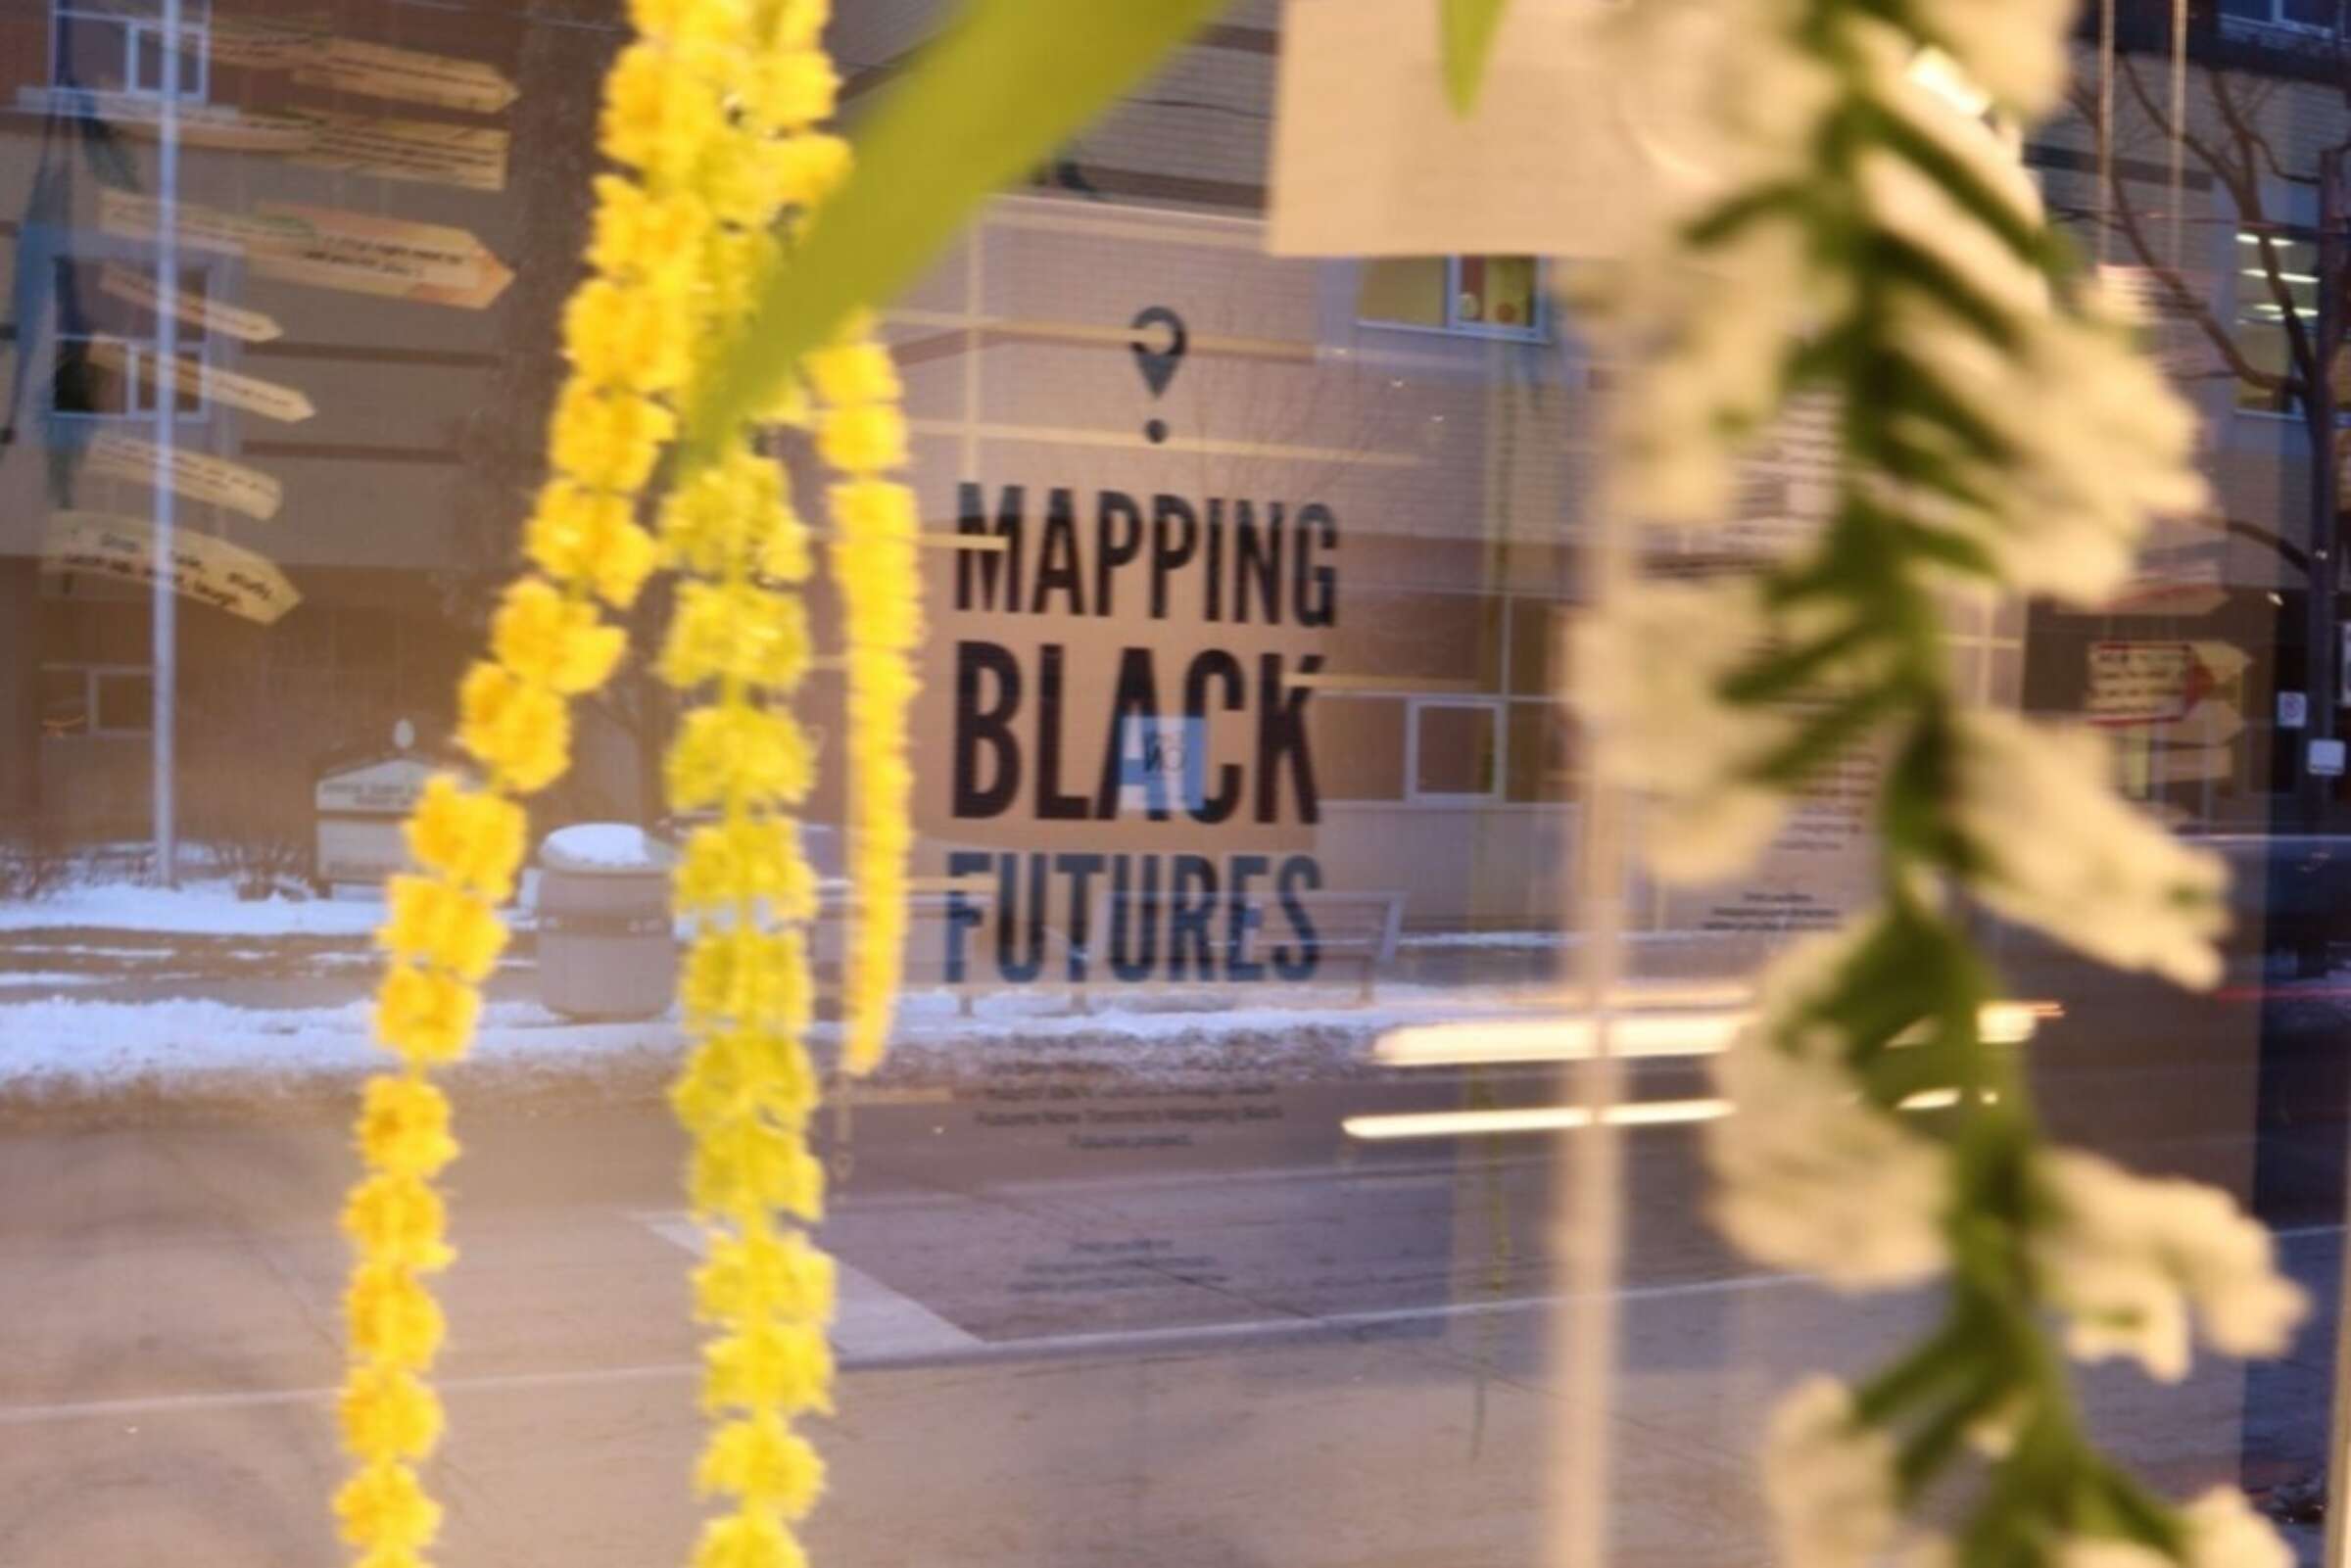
(607, 947)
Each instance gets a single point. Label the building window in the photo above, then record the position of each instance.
(94, 699)
(105, 359)
(1540, 755)
(1454, 749)
(98, 47)
(2303, 15)
(2290, 265)
(1479, 296)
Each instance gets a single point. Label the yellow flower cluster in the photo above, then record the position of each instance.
(861, 434)
(443, 936)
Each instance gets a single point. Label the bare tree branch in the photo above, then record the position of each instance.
(2241, 119)
(2129, 223)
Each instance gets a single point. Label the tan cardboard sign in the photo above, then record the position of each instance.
(138, 288)
(255, 43)
(250, 393)
(379, 71)
(221, 125)
(209, 570)
(127, 216)
(473, 157)
(197, 475)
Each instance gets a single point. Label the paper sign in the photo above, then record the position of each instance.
(473, 157)
(378, 71)
(2293, 710)
(197, 475)
(250, 393)
(2142, 683)
(138, 288)
(209, 570)
(2325, 758)
(2211, 722)
(1561, 156)
(221, 125)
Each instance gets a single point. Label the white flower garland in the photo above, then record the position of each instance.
(1879, 248)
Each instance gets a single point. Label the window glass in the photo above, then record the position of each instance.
(1410, 291)
(1215, 1203)
(126, 701)
(1454, 749)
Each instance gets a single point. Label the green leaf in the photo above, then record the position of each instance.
(1466, 34)
(993, 96)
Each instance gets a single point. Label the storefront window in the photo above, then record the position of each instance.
(1216, 1200)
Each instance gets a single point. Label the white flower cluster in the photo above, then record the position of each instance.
(2013, 49)
(1652, 672)
(1709, 378)
(2223, 1531)
(1808, 1176)
(2070, 858)
(2127, 1257)
(1828, 1477)
(2094, 440)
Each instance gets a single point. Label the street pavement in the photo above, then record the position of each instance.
(1198, 1326)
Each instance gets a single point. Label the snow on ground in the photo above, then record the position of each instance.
(72, 1048)
(197, 909)
(1532, 939)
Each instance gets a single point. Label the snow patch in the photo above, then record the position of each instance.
(601, 846)
(198, 909)
(64, 1045)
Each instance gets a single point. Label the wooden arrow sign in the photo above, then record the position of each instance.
(471, 157)
(138, 288)
(219, 125)
(327, 247)
(204, 568)
(250, 393)
(197, 475)
(378, 71)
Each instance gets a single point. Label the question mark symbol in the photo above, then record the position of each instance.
(1158, 366)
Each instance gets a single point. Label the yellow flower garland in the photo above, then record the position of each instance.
(713, 109)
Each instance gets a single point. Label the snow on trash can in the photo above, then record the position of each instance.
(607, 947)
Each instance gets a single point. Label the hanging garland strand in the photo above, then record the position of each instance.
(1889, 256)
(861, 437)
(711, 110)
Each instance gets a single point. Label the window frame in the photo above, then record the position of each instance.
(2277, 22)
(195, 47)
(195, 349)
(1537, 330)
(1496, 710)
(92, 675)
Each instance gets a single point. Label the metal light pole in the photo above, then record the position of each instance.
(164, 379)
